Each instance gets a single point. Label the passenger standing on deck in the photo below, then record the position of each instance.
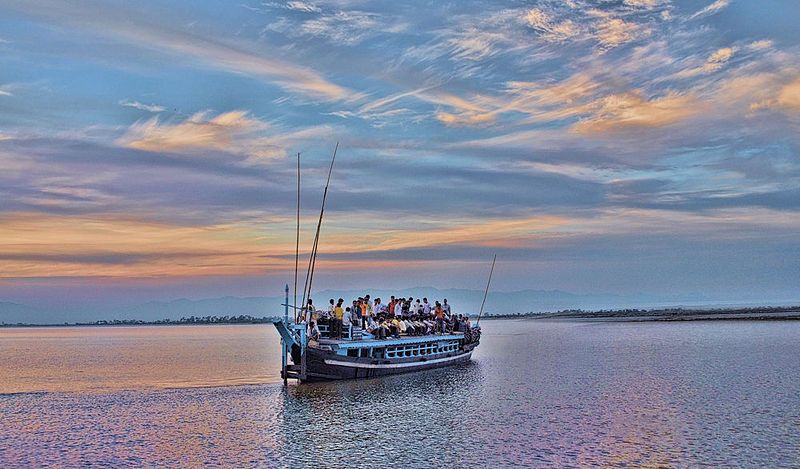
(305, 316)
(347, 322)
(355, 317)
(368, 304)
(446, 308)
(390, 309)
(377, 309)
(338, 313)
(426, 307)
(439, 313)
(398, 308)
(362, 310)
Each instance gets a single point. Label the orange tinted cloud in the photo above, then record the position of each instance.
(633, 111)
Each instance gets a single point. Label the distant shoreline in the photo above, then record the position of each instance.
(766, 313)
(665, 314)
(212, 321)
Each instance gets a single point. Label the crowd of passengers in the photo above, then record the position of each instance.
(400, 316)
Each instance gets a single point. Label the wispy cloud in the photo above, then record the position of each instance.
(209, 52)
(715, 7)
(549, 29)
(631, 111)
(612, 32)
(307, 7)
(714, 63)
(233, 132)
(141, 106)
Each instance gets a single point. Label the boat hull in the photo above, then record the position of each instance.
(327, 366)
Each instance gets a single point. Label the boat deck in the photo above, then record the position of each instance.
(372, 342)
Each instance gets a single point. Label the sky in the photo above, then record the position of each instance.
(148, 149)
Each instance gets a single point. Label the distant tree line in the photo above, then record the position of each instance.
(241, 319)
(659, 312)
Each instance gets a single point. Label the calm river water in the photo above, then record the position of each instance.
(536, 394)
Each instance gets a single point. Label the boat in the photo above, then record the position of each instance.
(356, 353)
(359, 354)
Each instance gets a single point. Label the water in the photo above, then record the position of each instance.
(536, 394)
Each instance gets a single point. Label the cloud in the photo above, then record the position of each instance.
(549, 29)
(646, 4)
(36, 245)
(233, 132)
(126, 27)
(307, 7)
(141, 106)
(612, 32)
(715, 62)
(715, 7)
(474, 45)
(787, 99)
(761, 45)
(630, 111)
(343, 27)
(5, 90)
(465, 119)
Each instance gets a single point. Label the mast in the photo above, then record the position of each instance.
(486, 293)
(297, 241)
(312, 260)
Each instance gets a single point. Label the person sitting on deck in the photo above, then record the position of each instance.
(371, 327)
(410, 328)
(394, 329)
(401, 326)
(420, 326)
(382, 330)
(313, 331)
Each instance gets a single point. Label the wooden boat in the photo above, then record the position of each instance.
(360, 355)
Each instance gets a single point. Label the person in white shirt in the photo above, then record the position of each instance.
(398, 309)
(331, 307)
(347, 322)
(426, 307)
(446, 308)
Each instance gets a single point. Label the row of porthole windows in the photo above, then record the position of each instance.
(415, 351)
